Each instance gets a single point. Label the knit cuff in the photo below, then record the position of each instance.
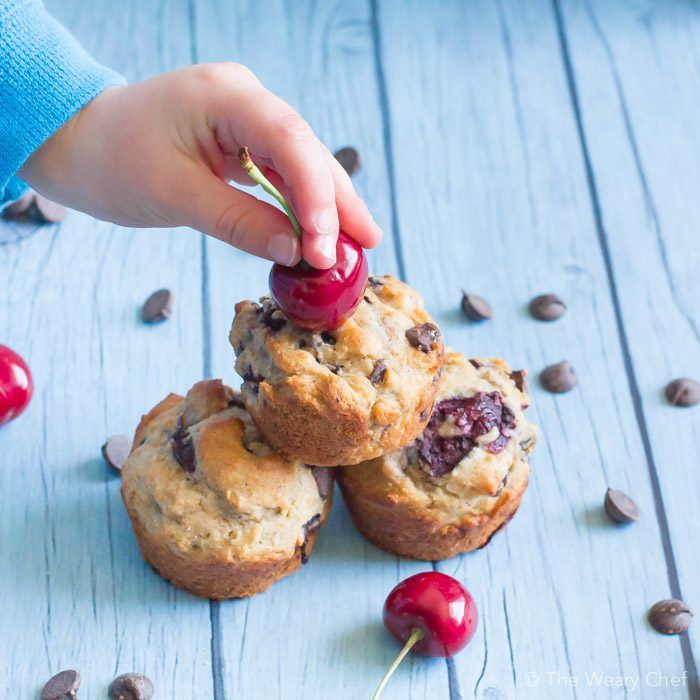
(45, 78)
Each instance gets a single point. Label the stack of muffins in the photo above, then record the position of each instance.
(227, 491)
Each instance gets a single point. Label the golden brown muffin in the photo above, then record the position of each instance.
(344, 396)
(463, 477)
(214, 509)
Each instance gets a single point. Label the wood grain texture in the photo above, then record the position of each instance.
(509, 148)
(637, 71)
(319, 631)
(74, 590)
(507, 205)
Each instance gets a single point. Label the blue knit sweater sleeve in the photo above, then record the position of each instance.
(45, 78)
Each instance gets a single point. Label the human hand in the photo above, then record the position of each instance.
(160, 153)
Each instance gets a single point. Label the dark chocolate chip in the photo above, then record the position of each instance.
(378, 372)
(158, 306)
(475, 308)
(558, 378)
(303, 344)
(250, 376)
(349, 158)
(183, 447)
(670, 616)
(367, 299)
(519, 376)
(470, 419)
(547, 307)
(328, 338)
(620, 507)
(475, 364)
(683, 392)
(310, 526)
(65, 684)
(274, 323)
(131, 686)
(47, 212)
(324, 480)
(375, 281)
(424, 337)
(116, 450)
(335, 368)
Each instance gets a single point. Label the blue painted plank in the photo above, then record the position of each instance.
(74, 590)
(318, 632)
(636, 69)
(493, 197)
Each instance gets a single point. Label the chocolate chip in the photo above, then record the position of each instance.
(310, 526)
(116, 450)
(475, 308)
(328, 338)
(158, 306)
(670, 616)
(375, 281)
(324, 480)
(303, 344)
(65, 684)
(475, 364)
(683, 392)
(276, 322)
(558, 378)
(424, 337)
(378, 372)
(349, 158)
(519, 376)
(367, 299)
(620, 507)
(335, 368)
(183, 447)
(131, 686)
(250, 376)
(547, 307)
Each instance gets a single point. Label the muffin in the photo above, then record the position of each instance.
(462, 479)
(344, 396)
(214, 509)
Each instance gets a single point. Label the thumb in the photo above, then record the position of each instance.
(243, 221)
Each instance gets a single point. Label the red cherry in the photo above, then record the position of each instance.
(16, 385)
(432, 614)
(322, 300)
(318, 300)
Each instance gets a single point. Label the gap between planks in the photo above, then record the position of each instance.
(633, 384)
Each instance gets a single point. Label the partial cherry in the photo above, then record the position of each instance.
(430, 613)
(318, 300)
(16, 385)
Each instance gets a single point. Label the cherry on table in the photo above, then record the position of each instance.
(16, 385)
(432, 614)
(317, 300)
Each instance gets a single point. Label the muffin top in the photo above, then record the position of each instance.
(474, 446)
(377, 363)
(201, 479)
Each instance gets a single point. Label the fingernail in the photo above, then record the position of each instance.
(326, 246)
(282, 248)
(325, 220)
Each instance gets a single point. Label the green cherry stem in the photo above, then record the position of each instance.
(256, 175)
(416, 635)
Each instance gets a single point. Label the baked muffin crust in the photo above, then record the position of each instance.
(215, 509)
(416, 504)
(344, 396)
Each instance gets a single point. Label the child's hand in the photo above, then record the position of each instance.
(159, 153)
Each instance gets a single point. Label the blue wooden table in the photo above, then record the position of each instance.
(510, 148)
